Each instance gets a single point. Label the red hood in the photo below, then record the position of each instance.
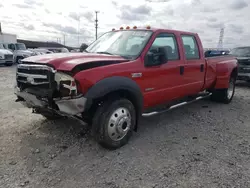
(67, 61)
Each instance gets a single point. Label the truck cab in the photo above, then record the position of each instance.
(19, 50)
(6, 56)
(243, 56)
(125, 74)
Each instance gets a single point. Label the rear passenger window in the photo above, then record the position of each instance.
(190, 47)
(169, 42)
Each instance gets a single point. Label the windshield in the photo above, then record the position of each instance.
(20, 46)
(243, 52)
(1, 46)
(127, 44)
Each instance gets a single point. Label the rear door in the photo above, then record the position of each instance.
(194, 70)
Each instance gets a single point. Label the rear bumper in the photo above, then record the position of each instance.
(66, 106)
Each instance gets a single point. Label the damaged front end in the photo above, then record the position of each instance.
(44, 89)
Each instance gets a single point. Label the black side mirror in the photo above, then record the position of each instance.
(156, 57)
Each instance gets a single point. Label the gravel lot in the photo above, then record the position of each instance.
(204, 144)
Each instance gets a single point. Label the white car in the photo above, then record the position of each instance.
(6, 56)
(20, 51)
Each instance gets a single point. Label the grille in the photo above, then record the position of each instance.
(244, 61)
(34, 74)
(8, 57)
(244, 69)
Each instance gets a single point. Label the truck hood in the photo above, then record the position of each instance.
(3, 51)
(67, 61)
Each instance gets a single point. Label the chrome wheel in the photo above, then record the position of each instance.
(230, 89)
(19, 61)
(119, 124)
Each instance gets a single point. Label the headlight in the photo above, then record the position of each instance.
(66, 84)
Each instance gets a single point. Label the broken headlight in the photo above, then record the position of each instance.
(66, 85)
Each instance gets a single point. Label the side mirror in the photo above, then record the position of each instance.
(156, 57)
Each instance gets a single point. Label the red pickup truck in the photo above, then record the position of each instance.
(124, 74)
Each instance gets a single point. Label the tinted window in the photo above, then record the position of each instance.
(169, 42)
(190, 47)
(11, 46)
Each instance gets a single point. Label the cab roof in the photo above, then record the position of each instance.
(158, 30)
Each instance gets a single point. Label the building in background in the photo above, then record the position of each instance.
(39, 44)
(7, 38)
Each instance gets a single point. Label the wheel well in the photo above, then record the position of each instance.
(121, 93)
(234, 73)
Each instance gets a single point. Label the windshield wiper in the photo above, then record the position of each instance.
(104, 53)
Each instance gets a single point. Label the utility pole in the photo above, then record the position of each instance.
(64, 39)
(221, 37)
(78, 35)
(96, 24)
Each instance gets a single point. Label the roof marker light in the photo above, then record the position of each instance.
(148, 27)
(135, 27)
(127, 27)
(113, 29)
(121, 28)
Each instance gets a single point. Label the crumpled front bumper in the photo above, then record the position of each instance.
(67, 106)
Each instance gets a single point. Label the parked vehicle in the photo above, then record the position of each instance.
(6, 56)
(243, 56)
(19, 50)
(212, 53)
(56, 50)
(123, 75)
(40, 51)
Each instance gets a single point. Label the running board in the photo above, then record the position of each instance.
(176, 106)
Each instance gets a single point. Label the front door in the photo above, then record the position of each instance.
(163, 83)
(194, 65)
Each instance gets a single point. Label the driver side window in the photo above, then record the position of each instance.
(11, 46)
(168, 41)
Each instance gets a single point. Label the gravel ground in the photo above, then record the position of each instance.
(204, 144)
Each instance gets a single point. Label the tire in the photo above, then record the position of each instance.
(18, 60)
(8, 64)
(225, 95)
(113, 123)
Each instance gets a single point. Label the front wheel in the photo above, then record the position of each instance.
(19, 60)
(225, 95)
(113, 123)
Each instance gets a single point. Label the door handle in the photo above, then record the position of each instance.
(202, 67)
(181, 70)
